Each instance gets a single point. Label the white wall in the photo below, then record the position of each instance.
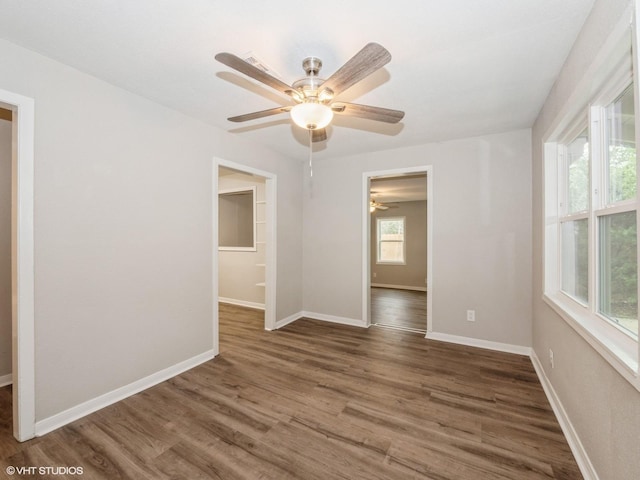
(238, 271)
(123, 230)
(602, 406)
(481, 234)
(5, 248)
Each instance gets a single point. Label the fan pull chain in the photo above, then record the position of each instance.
(310, 153)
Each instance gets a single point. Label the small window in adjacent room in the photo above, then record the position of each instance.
(390, 239)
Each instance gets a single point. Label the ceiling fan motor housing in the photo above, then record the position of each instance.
(309, 86)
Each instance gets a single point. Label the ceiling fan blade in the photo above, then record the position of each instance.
(318, 135)
(361, 65)
(367, 111)
(260, 114)
(382, 207)
(235, 62)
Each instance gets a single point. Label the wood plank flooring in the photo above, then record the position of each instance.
(399, 308)
(318, 401)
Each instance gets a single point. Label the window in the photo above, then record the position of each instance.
(390, 240)
(591, 234)
(574, 223)
(617, 281)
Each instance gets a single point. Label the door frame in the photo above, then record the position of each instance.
(22, 263)
(366, 237)
(270, 240)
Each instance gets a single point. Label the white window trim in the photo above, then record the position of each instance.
(615, 345)
(404, 241)
(252, 248)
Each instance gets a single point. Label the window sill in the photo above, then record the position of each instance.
(619, 350)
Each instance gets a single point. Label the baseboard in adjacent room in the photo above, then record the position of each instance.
(6, 380)
(288, 320)
(580, 454)
(335, 319)
(241, 303)
(399, 287)
(74, 413)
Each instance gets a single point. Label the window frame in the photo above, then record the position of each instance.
(617, 345)
(379, 241)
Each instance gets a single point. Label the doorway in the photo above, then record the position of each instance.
(22, 263)
(397, 248)
(244, 239)
(6, 377)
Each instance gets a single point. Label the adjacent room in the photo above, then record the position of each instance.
(350, 240)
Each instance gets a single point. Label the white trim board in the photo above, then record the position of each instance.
(399, 287)
(242, 303)
(353, 322)
(287, 320)
(479, 343)
(6, 380)
(74, 413)
(22, 263)
(580, 454)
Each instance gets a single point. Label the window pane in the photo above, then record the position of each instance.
(621, 161)
(578, 174)
(575, 270)
(391, 229)
(618, 287)
(391, 252)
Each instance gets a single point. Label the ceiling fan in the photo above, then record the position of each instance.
(374, 205)
(313, 97)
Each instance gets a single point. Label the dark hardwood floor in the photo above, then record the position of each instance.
(318, 401)
(399, 308)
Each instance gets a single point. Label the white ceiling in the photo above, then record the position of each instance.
(460, 67)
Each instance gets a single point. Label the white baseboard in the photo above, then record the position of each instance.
(288, 320)
(334, 319)
(320, 316)
(399, 287)
(241, 303)
(74, 413)
(476, 342)
(6, 380)
(580, 454)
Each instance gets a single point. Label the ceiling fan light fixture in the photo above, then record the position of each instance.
(311, 115)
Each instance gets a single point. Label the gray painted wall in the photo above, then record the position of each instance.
(603, 407)
(123, 230)
(481, 234)
(5, 247)
(414, 273)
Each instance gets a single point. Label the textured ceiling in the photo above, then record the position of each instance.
(460, 67)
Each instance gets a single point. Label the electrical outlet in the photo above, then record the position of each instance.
(471, 315)
(551, 360)
(374, 274)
